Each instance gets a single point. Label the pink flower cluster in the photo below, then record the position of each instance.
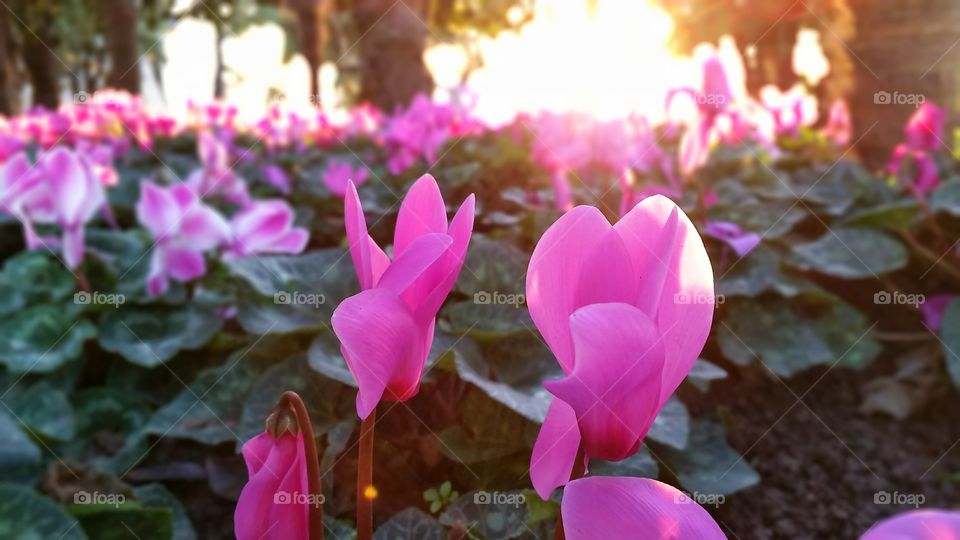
(913, 162)
(418, 132)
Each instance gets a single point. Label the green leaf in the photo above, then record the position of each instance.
(24, 515)
(492, 267)
(488, 431)
(45, 409)
(492, 515)
(530, 399)
(704, 372)
(757, 273)
(42, 338)
(897, 216)
(157, 496)
(18, 451)
(105, 522)
(672, 425)
(410, 524)
(210, 410)
(293, 292)
(336, 405)
(951, 341)
(325, 357)
(946, 198)
(31, 278)
(149, 337)
(486, 321)
(773, 333)
(640, 464)
(709, 466)
(852, 253)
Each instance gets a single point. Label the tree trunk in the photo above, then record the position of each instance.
(391, 51)
(218, 90)
(42, 63)
(120, 28)
(313, 34)
(9, 81)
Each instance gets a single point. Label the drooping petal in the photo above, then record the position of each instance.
(75, 188)
(381, 344)
(184, 264)
(676, 281)
(157, 280)
(554, 266)
(615, 508)
(256, 451)
(422, 212)
(556, 449)
(72, 246)
(294, 241)
(917, 525)
(614, 387)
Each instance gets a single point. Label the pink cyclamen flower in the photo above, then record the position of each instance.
(791, 110)
(273, 504)
(265, 227)
(839, 127)
(925, 128)
(917, 525)
(616, 508)
(277, 177)
(933, 308)
(626, 309)
(742, 242)
(339, 173)
(184, 228)
(70, 195)
(215, 176)
(386, 330)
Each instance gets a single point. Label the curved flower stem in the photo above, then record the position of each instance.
(365, 489)
(313, 465)
(579, 467)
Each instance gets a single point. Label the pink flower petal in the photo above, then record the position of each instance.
(184, 264)
(676, 283)
(157, 210)
(554, 268)
(432, 289)
(72, 246)
(382, 345)
(556, 449)
(614, 387)
(614, 508)
(360, 242)
(269, 507)
(917, 525)
(413, 262)
(421, 212)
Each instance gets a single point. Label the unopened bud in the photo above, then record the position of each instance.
(282, 419)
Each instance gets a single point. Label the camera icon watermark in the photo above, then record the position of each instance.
(915, 500)
(500, 498)
(112, 499)
(882, 97)
(703, 499)
(897, 298)
(97, 298)
(299, 298)
(487, 298)
(295, 497)
(697, 298)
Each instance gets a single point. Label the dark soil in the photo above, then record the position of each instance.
(823, 461)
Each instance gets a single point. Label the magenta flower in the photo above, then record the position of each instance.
(791, 110)
(742, 242)
(925, 128)
(339, 173)
(265, 227)
(626, 309)
(933, 308)
(387, 329)
(839, 127)
(215, 176)
(276, 177)
(917, 525)
(77, 194)
(184, 229)
(274, 504)
(615, 508)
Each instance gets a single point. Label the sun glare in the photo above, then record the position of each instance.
(607, 58)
